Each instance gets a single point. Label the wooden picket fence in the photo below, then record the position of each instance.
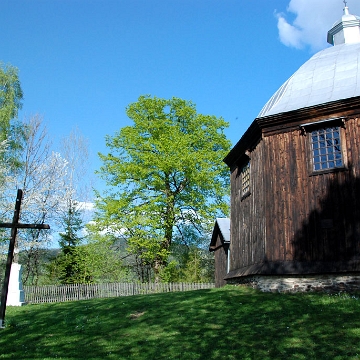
(59, 293)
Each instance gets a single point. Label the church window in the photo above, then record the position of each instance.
(245, 179)
(326, 149)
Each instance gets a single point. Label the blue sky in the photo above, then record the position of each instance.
(81, 62)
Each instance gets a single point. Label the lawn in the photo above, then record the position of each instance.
(227, 323)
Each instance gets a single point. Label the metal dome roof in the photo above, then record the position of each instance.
(331, 74)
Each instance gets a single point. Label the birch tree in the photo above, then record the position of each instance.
(41, 177)
(69, 262)
(10, 98)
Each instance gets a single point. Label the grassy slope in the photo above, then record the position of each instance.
(228, 323)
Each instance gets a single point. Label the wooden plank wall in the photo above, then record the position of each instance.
(221, 260)
(311, 218)
(292, 215)
(248, 215)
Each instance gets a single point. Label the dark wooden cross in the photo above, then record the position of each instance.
(13, 226)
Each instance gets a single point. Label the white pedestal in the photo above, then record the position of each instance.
(16, 295)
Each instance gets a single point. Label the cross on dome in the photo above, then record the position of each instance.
(346, 30)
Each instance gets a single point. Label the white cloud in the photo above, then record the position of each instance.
(312, 21)
(110, 230)
(289, 34)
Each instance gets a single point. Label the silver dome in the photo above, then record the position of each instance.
(331, 74)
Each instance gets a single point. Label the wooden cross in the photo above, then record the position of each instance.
(13, 226)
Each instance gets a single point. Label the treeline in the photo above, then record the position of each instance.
(97, 264)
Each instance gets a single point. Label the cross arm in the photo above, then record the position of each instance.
(24, 226)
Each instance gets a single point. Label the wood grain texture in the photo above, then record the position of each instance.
(293, 215)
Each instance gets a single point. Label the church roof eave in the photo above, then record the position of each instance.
(288, 121)
(249, 139)
(222, 227)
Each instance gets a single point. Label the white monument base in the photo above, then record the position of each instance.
(16, 295)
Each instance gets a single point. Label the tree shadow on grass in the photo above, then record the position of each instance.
(227, 323)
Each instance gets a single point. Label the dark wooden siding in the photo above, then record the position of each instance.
(286, 186)
(311, 217)
(299, 221)
(248, 220)
(221, 251)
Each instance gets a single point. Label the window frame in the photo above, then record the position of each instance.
(308, 129)
(243, 166)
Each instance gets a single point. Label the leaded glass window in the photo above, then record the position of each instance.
(326, 149)
(245, 179)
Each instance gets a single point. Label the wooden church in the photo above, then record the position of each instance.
(295, 179)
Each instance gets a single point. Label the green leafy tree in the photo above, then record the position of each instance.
(11, 136)
(196, 265)
(194, 262)
(164, 173)
(10, 98)
(97, 261)
(11, 131)
(102, 263)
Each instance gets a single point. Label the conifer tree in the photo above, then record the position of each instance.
(68, 266)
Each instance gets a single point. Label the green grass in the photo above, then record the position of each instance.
(228, 323)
